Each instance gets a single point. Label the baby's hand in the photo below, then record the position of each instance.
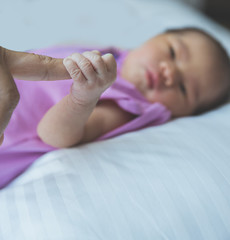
(92, 74)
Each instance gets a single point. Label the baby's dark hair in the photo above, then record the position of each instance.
(225, 61)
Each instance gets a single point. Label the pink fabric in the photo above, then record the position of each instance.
(22, 146)
(128, 98)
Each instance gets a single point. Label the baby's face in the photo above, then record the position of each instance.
(177, 70)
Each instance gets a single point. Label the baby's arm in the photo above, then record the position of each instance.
(75, 119)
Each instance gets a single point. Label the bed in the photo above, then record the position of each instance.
(170, 182)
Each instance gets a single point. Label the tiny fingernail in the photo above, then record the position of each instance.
(67, 61)
(97, 52)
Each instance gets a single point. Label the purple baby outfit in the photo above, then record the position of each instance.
(22, 146)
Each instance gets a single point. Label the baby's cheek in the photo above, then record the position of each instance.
(150, 96)
(154, 96)
(163, 97)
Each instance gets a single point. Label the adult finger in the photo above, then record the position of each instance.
(1, 139)
(9, 96)
(30, 66)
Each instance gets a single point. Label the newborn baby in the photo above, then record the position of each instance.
(185, 70)
(178, 73)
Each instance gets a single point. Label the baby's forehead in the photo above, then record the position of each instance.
(193, 35)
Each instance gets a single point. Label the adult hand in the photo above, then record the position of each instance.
(26, 66)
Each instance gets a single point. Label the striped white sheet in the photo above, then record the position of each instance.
(167, 182)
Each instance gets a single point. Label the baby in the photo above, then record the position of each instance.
(178, 73)
(185, 70)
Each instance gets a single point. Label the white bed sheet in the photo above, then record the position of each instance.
(166, 182)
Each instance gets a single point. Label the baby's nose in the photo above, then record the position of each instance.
(168, 74)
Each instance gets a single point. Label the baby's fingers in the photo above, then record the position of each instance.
(74, 70)
(97, 62)
(85, 66)
(97, 52)
(110, 62)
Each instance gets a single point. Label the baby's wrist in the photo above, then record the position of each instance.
(77, 104)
